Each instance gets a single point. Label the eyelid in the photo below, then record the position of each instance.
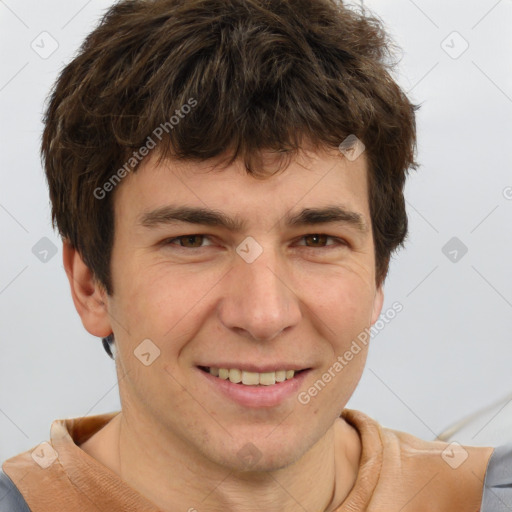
(168, 241)
(340, 241)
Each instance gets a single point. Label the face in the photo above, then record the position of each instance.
(269, 289)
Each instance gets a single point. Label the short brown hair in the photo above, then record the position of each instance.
(265, 75)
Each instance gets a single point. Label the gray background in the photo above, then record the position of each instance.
(448, 352)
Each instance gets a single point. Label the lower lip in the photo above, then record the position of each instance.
(257, 396)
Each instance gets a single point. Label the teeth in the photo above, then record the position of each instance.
(267, 379)
(235, 376)
(281, 376)
(251, 378)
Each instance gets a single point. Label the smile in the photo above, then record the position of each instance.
(247, 378)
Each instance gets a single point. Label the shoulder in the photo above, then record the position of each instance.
(11, 499)
(400, 464)
(497, 495)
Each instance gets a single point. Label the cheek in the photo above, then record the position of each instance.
(163, 303)
(349, 320)
(343, 301)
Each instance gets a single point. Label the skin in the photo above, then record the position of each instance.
(177, 440)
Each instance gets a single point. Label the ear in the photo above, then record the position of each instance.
(89, 297)
(378, 301)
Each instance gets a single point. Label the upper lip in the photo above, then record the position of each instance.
(263, 368)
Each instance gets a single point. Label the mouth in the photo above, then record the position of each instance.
(255, 390)
(255, 379)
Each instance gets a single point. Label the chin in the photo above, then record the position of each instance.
(261, 462)
(258, 454)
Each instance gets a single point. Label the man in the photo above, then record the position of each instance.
(227, 177)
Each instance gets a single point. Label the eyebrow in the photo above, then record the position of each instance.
(207, 217)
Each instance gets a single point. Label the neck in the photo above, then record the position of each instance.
(175, 477)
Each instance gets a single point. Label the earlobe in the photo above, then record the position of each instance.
(378, 302)
(89, 297)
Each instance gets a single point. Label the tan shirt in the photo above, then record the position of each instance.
(397, 473)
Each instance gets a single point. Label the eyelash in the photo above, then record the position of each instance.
(340, 241)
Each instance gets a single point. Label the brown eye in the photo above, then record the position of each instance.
(316, 240)
(188, 241)
(319, 241)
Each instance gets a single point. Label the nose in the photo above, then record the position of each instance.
(259, 300)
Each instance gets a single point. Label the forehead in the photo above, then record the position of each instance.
(312, 179)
